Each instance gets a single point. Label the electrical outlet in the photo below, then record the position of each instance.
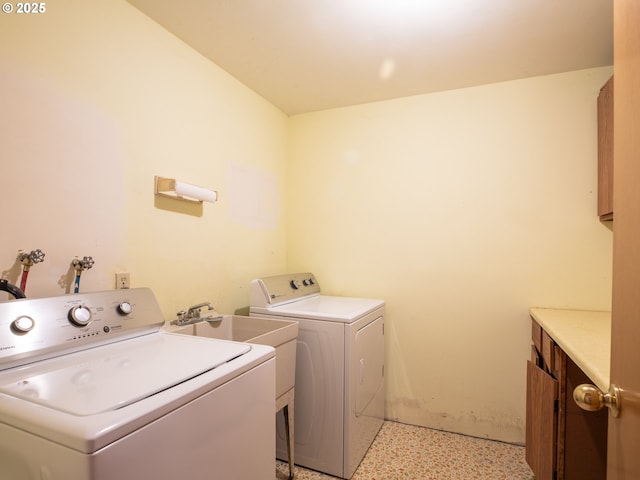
(123, 280)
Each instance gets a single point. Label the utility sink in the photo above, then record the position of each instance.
(280, 334)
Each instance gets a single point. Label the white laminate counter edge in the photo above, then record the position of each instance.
(584, 335)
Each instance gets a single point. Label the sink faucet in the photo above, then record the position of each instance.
(192, 315)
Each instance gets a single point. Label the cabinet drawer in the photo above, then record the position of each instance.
(536, 335)
(559, 362)
(536, 359)
(548, 352)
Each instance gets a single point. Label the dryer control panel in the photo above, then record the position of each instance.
(281, 289)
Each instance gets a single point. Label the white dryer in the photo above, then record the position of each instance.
(339, 392)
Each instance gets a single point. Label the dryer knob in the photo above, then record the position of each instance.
(295, 284)
(80, 315)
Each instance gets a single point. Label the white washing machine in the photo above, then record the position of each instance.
(92, 389)
(339, 391)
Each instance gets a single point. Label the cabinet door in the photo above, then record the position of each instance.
(585, 443)
(541, 427)
(605, 151)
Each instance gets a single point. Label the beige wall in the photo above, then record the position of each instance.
(97, 99)
(461, 209)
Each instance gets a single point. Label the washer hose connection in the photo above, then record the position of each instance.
(28, 260)
(5, 286)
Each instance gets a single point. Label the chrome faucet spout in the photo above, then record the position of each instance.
(192, 315)
(195, 310)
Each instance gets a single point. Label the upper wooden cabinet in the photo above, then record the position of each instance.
(605, 151)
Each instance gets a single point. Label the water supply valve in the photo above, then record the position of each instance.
(85, 264)
(31, 258)
(79, 265)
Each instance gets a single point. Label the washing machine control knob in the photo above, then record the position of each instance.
(295, 284)
(80, 315)
(124, 308)
(23, 324)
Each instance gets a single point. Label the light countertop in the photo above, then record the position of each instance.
(584, 335)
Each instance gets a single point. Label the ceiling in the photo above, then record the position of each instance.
(309, 55)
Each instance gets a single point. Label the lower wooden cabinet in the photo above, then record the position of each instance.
(563, 442)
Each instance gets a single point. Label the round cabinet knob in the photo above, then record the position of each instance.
(125, 308)
(295, 284)
(80, 315)
(590, 398)
(23, 324)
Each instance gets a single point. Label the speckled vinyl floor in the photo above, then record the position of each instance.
(407, 452)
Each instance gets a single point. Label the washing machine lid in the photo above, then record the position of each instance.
(324, 307)
(112, 376)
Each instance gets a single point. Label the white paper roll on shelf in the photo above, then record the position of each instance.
(197, 193)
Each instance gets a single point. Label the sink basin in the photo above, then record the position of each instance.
(280, 334)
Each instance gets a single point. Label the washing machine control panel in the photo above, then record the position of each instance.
(32, 329)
